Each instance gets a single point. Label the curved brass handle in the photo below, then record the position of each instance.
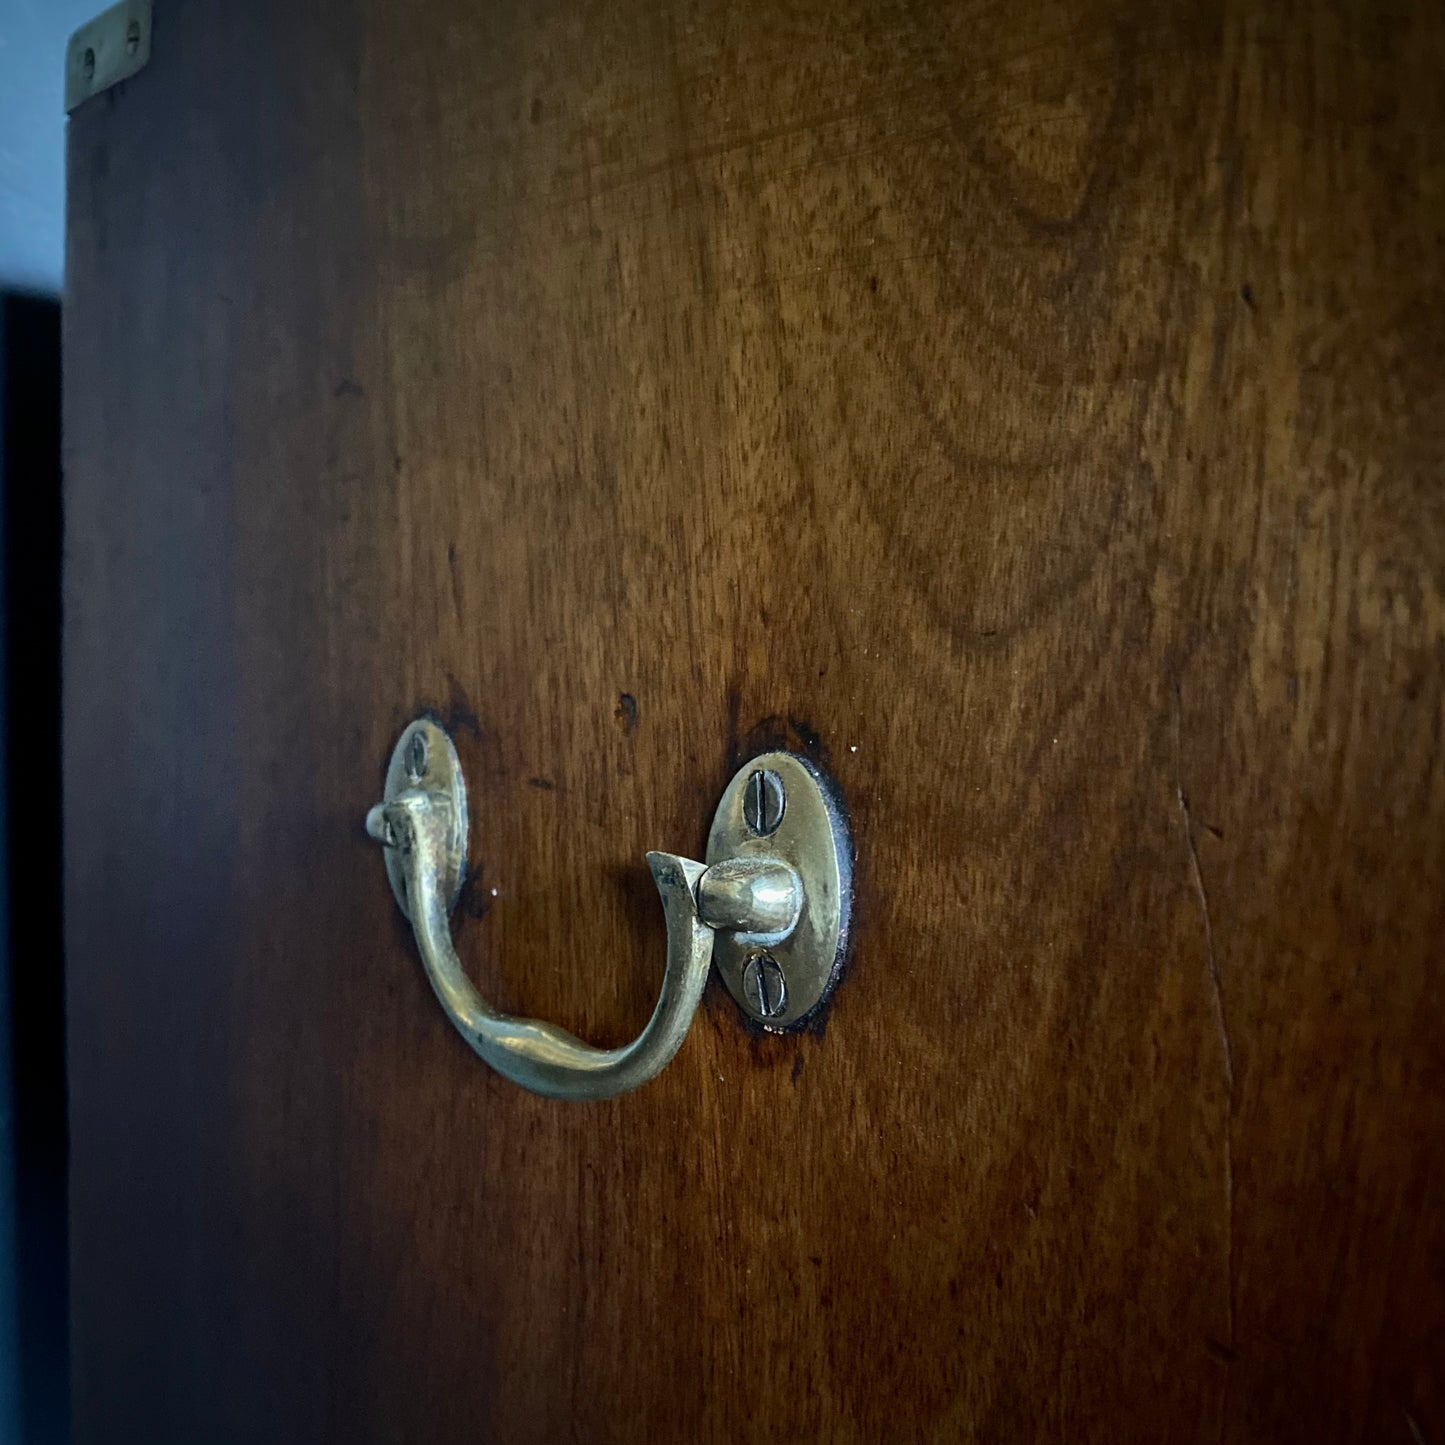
(540, 1056)
(423, 827)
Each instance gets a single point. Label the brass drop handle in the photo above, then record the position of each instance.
(758, 897)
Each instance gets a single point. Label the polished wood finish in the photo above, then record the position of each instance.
(1034, 411)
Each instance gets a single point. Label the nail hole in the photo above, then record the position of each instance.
(88, 64)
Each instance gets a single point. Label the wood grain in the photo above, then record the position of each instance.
(1032, 410)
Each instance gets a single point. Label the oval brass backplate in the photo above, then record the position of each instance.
(425, 758)
(779, 805)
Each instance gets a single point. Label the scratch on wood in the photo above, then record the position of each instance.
(1216, 983)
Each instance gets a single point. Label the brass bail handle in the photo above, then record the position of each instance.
(755, 897)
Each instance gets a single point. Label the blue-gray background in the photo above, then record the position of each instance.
(32, 138)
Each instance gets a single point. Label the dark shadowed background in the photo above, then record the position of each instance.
(33, 1283)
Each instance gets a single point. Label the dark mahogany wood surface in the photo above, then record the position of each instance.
(1034, 411)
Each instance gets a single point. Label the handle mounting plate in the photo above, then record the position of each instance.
(424, 757)
(780, 806)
